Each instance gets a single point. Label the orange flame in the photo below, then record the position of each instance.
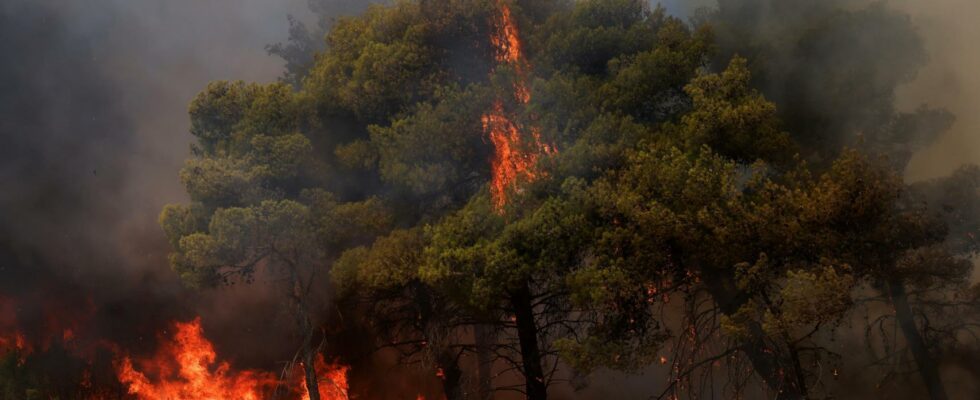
(513, 160)
(332, 382)
(187, 368)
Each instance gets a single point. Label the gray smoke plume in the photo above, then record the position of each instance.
(949, 80)
(93, 129)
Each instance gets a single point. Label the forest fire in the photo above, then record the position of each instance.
(745, 204)
(188, 368)
(513, 159)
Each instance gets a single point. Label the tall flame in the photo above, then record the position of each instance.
(513, 160)
(187, 368)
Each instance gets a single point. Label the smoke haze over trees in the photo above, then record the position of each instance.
(706, 199)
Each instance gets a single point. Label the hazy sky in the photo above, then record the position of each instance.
(951, 80)
(93, 132)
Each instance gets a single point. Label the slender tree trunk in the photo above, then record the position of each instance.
(452, 375)
(484, 367)
(445, 359)
(928, 368)
(527, 334)
(798, 369)
(308, 355)
(305, 325)
(309, 369)
(765, 360)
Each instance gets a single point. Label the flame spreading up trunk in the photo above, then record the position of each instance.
(188, 369)
(513, 160)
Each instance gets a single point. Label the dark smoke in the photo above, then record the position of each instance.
(93, 129)
(950, 80)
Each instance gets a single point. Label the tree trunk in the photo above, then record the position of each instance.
(309, 357)
(445, 358)
(928, 368)
(527, 334)
(452, 375)
(765, 359)
(309, 369)
(798, 369)
(484, 368)
(305, 325)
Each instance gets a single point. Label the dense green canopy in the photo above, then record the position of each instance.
(701, 162)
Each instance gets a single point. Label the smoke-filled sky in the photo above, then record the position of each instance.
(107, 83)
(951, 80)
(93, 130)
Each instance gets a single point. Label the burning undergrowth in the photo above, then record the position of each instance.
(187, 367)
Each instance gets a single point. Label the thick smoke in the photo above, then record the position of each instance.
(93, 129)
(947, 80)
(950, 80)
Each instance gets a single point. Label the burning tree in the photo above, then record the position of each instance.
(256, 206)
(551, 174)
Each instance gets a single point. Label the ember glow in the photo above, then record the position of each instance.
(56, 328)
(513, 160)
(13, 341)
(187, 368)
(10, 337)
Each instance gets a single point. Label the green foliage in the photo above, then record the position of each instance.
(461, 250)
(383, 62)
(733, 119)
(833, 67)
(601, 146)
(373, 62)
(814, 297)
(649, 85)
(589, 34)
(238, 239)
(226, 116)
(438, 151)
(391, 262)
(669, 179)
(341, 225)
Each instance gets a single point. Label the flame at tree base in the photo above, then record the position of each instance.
(332, 383)
(187, 368)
